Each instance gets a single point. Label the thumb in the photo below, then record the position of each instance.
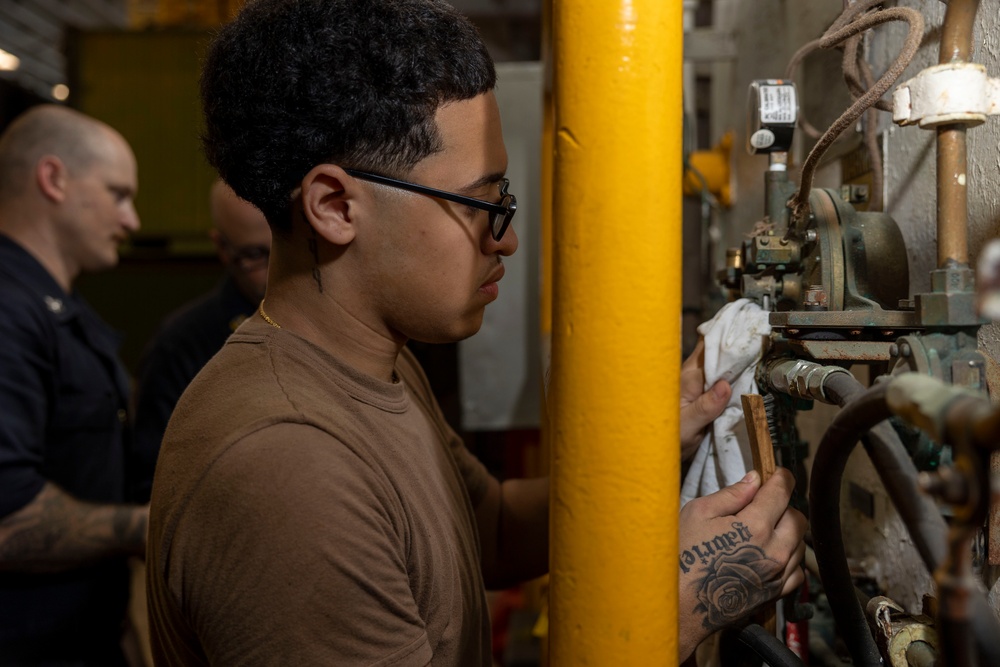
(699, 413)
(732, 499)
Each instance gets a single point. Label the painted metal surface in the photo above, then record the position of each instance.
(613, 393)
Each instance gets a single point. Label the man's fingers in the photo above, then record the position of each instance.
(772, 500)
(726, 502)
(697, 357)
(700, 412)
(794, 576)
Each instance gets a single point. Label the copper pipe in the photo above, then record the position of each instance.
(952, 162)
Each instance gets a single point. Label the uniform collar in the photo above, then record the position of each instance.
(22, 266)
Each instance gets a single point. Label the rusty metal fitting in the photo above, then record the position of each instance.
(925, 401)
(815, 298)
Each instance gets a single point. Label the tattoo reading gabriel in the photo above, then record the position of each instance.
(735, 576)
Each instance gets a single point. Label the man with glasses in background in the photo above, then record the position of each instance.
(310, 505)
(197, 330)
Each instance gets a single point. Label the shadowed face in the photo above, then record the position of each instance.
(99, 211)
(242, 239)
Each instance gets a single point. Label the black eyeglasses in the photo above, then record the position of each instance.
(500, 213)
(247, 257)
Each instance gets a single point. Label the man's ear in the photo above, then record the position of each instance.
(328, 203)
(51, 176)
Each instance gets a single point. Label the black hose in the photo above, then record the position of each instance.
(767, 647)
(863, 411)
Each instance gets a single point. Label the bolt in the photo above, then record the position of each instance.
(793, 332)
(764, 240)
(783, 241)
(811, 236)
(904, 349)
(855, 332)
(893, 350)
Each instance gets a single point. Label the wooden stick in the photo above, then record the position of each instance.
(761, 446)
(762, 450)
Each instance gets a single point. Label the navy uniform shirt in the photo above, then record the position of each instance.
(63, 394)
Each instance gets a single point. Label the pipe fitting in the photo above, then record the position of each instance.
(924, 402)
(802, 379)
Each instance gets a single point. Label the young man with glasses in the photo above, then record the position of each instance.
(192, 334)
(311, 505)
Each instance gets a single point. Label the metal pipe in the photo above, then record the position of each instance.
(616, 344)
(866, 411)
(921, 654)
(952, 154)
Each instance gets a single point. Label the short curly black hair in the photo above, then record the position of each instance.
(290, 84)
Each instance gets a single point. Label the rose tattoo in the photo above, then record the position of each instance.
(733, 584)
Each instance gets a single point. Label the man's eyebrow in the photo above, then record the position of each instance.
(482, 181)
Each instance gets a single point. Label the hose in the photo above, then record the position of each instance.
(767, 647)
(799, 203)
(864, 410)
(834, 449)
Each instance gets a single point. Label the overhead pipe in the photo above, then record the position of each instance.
(616, 345)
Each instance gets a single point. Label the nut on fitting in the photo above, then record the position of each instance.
(802, 379)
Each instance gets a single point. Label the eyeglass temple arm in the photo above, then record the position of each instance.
(424, 190)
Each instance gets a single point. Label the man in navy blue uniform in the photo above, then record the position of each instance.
(191, 335)
(67, 183)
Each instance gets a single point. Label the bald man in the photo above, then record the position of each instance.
(193, 334)
(67, 183)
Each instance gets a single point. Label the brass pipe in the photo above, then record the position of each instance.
(952, 156)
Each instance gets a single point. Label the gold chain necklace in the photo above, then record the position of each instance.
(266, 318)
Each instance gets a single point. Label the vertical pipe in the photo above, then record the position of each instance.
(616, 332)
(952, 164)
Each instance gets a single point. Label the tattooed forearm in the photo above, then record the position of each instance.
(57, 532)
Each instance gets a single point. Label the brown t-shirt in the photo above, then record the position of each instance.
(306, 514)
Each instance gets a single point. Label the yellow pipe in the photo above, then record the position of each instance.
(613, 396)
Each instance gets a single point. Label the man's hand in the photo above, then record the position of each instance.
(698, 407)
(739, 548)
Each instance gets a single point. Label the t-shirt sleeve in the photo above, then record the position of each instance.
(25, 367)
(296, 555)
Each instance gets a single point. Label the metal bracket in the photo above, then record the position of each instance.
(943, 94)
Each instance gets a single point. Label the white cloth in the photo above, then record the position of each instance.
(734, 341)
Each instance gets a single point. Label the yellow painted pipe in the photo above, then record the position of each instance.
(616, 332)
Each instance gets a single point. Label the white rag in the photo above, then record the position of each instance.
(734, 341)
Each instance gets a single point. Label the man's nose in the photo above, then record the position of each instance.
(506, 246)
(130, 218)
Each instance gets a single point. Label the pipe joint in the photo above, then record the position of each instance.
(802, 379)
(925, 402)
